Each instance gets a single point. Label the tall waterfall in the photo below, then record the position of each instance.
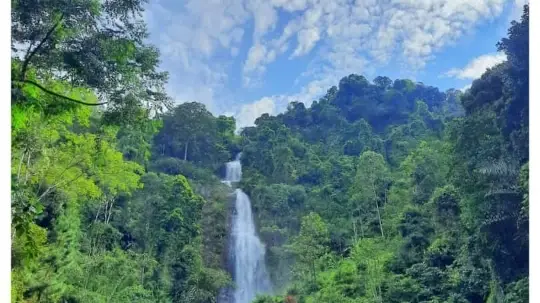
(248, 252)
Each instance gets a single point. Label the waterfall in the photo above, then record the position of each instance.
(233, 172)
(247, 250)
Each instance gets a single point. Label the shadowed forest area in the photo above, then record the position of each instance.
(380, 191)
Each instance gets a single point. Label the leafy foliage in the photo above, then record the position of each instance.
(382, 191)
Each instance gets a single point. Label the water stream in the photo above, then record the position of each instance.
(248, 251)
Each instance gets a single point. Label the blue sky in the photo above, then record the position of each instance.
(248, 57)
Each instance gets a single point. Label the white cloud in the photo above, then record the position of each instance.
(265, 17)
(249, 112)
(466, 87)
(517, 9)
(190, 35)
(306, 41)
(476, 67)
(256, 55)
(406, 31)
(291, 5)
(201, 41)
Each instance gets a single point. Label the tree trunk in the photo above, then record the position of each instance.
(362, 228)
(378, 211)
(27, 169)
(20, 166)
(108, 219)
(97, 214)
(379, 215)
(354, 229)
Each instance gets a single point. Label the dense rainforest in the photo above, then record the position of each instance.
(380, 191)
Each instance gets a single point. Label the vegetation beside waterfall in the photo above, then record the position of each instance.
(380, 191)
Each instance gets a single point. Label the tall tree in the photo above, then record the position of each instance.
(310, 244)
(188, 132)
(369, 187)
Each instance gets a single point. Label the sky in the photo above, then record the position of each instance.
(243, 58)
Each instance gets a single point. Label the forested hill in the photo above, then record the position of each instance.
(397, 192)
(380, 191)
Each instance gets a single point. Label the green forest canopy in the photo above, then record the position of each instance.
(380, 191)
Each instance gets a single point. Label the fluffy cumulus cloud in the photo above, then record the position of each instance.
(189, 35)
(476, 67)
(205, 42)
(249, 112)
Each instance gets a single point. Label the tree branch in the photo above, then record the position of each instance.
(58, 184)
(57, 94)
(20, 166)
(32, 53)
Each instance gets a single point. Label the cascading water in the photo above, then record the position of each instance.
(233, 172)
(248, 252)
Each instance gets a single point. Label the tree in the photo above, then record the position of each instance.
(99, 45)
(382, 82)
(514, 116)
(310, 244)
(371, 257)
(370, 183)
(188, 127)
(426, 168)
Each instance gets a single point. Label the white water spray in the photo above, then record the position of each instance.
(250, 274)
